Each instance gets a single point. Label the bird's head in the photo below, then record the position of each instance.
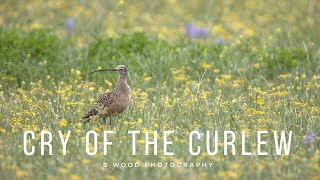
(121, 69)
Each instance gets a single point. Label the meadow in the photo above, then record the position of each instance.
(193, 66)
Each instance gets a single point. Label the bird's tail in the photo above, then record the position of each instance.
(90, 114)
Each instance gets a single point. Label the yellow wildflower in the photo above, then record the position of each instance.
(63, 122)
(205, 66)
(226, 76)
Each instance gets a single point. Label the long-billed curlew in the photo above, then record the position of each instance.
(115, 101)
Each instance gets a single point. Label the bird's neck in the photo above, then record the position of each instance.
(122, 81)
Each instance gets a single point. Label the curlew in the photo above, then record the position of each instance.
(115, 101)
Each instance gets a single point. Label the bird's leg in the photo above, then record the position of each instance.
(110, 120)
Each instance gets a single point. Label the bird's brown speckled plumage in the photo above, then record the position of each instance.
(115, 101)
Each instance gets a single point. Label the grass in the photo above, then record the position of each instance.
(262, 81)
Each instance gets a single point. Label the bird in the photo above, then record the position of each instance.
(113, 102)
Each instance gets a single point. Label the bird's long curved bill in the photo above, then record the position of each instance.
(100, 70)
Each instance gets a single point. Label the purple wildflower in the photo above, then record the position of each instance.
(219, 40)
(195, 32)
(191, 31)
(310, 139)
(202, 32)
(197, 136)
(69, 25)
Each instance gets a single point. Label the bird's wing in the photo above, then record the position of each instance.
(104, 102)
(107, 99)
